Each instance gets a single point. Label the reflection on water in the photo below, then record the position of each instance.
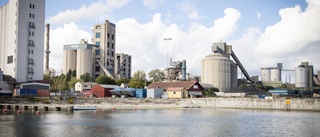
(161, 122)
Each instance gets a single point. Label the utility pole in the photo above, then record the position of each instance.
(167, 39)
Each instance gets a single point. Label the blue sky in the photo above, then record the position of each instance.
(262, 32)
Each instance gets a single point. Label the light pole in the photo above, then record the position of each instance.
(167, 39)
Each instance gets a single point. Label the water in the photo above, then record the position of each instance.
(204, 122)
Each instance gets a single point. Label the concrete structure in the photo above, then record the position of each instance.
(177, 70)
(104, 36)
(123, 66)
(219, 70)
(78, 57)
(271, 76)
(304, 76)
(80, 86)
(22, 39)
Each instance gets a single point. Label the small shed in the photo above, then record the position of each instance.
(177, 92)
(154, 92)
(102, 90)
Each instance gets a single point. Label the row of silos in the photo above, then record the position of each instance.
(270, 74)
(78, 57)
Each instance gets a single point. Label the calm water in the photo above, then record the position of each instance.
(161, 122)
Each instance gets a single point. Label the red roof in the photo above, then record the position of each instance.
(175, 89)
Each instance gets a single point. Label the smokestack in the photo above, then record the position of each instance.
(47, 70)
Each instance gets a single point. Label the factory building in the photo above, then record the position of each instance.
(219, 70)
(104, 36)
(78, 57)
(22, 39)
(123, 66)
(304, 76)
(271, 76)
(98, 58)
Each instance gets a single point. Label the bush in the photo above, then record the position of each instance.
(46, 101)
(70, 100)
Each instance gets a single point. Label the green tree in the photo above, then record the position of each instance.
(122, 80)
(69, 75)
(210, 92)
(139, 75)
(46, 77)
(74, 73)
(105, 80)
(72, 82)
(136, 83)
(138, 80)
(86, 77)
(156, 75)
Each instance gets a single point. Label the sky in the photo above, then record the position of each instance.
(262, 33)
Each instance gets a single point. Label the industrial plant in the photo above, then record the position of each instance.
(22, 62)
(99, 58)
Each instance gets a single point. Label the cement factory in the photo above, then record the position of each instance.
(219, 69)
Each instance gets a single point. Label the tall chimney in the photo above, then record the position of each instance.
(47, 70)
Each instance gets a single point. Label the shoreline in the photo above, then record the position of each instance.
(297, 104)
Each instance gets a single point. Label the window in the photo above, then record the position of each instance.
(112, 37)
(97, 52)
(10, 60)
(32, 15)
(174, 92)
(33, 6)
(112, 53)
(97, 34)
(112, 45)
(195, 86)
(97, 69)
(108, 44)
(108, 35)
(98, 43)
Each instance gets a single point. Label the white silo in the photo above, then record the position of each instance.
(69, 61)
(275, 74)
(265, 74)
(301, 78)
(216, 70)
(84, 62)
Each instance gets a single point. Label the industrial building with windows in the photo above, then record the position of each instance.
(98, 58)
(22, 40)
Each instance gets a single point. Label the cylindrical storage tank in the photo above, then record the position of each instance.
(84, 62)
(69, 61)
(184, 69)
(301, 76)
(265, 74)
(275, 74)
(216, 70)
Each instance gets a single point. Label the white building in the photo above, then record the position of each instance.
(22, 39)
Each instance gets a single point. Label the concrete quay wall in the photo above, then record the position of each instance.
(312, 104)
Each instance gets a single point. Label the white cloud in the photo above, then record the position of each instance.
(68, 34)
(258, 14)
(148, 49)
(188, 8)
(153, 4)
(293, 36)
(101, 8)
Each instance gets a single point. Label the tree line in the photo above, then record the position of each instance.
(67, 81)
